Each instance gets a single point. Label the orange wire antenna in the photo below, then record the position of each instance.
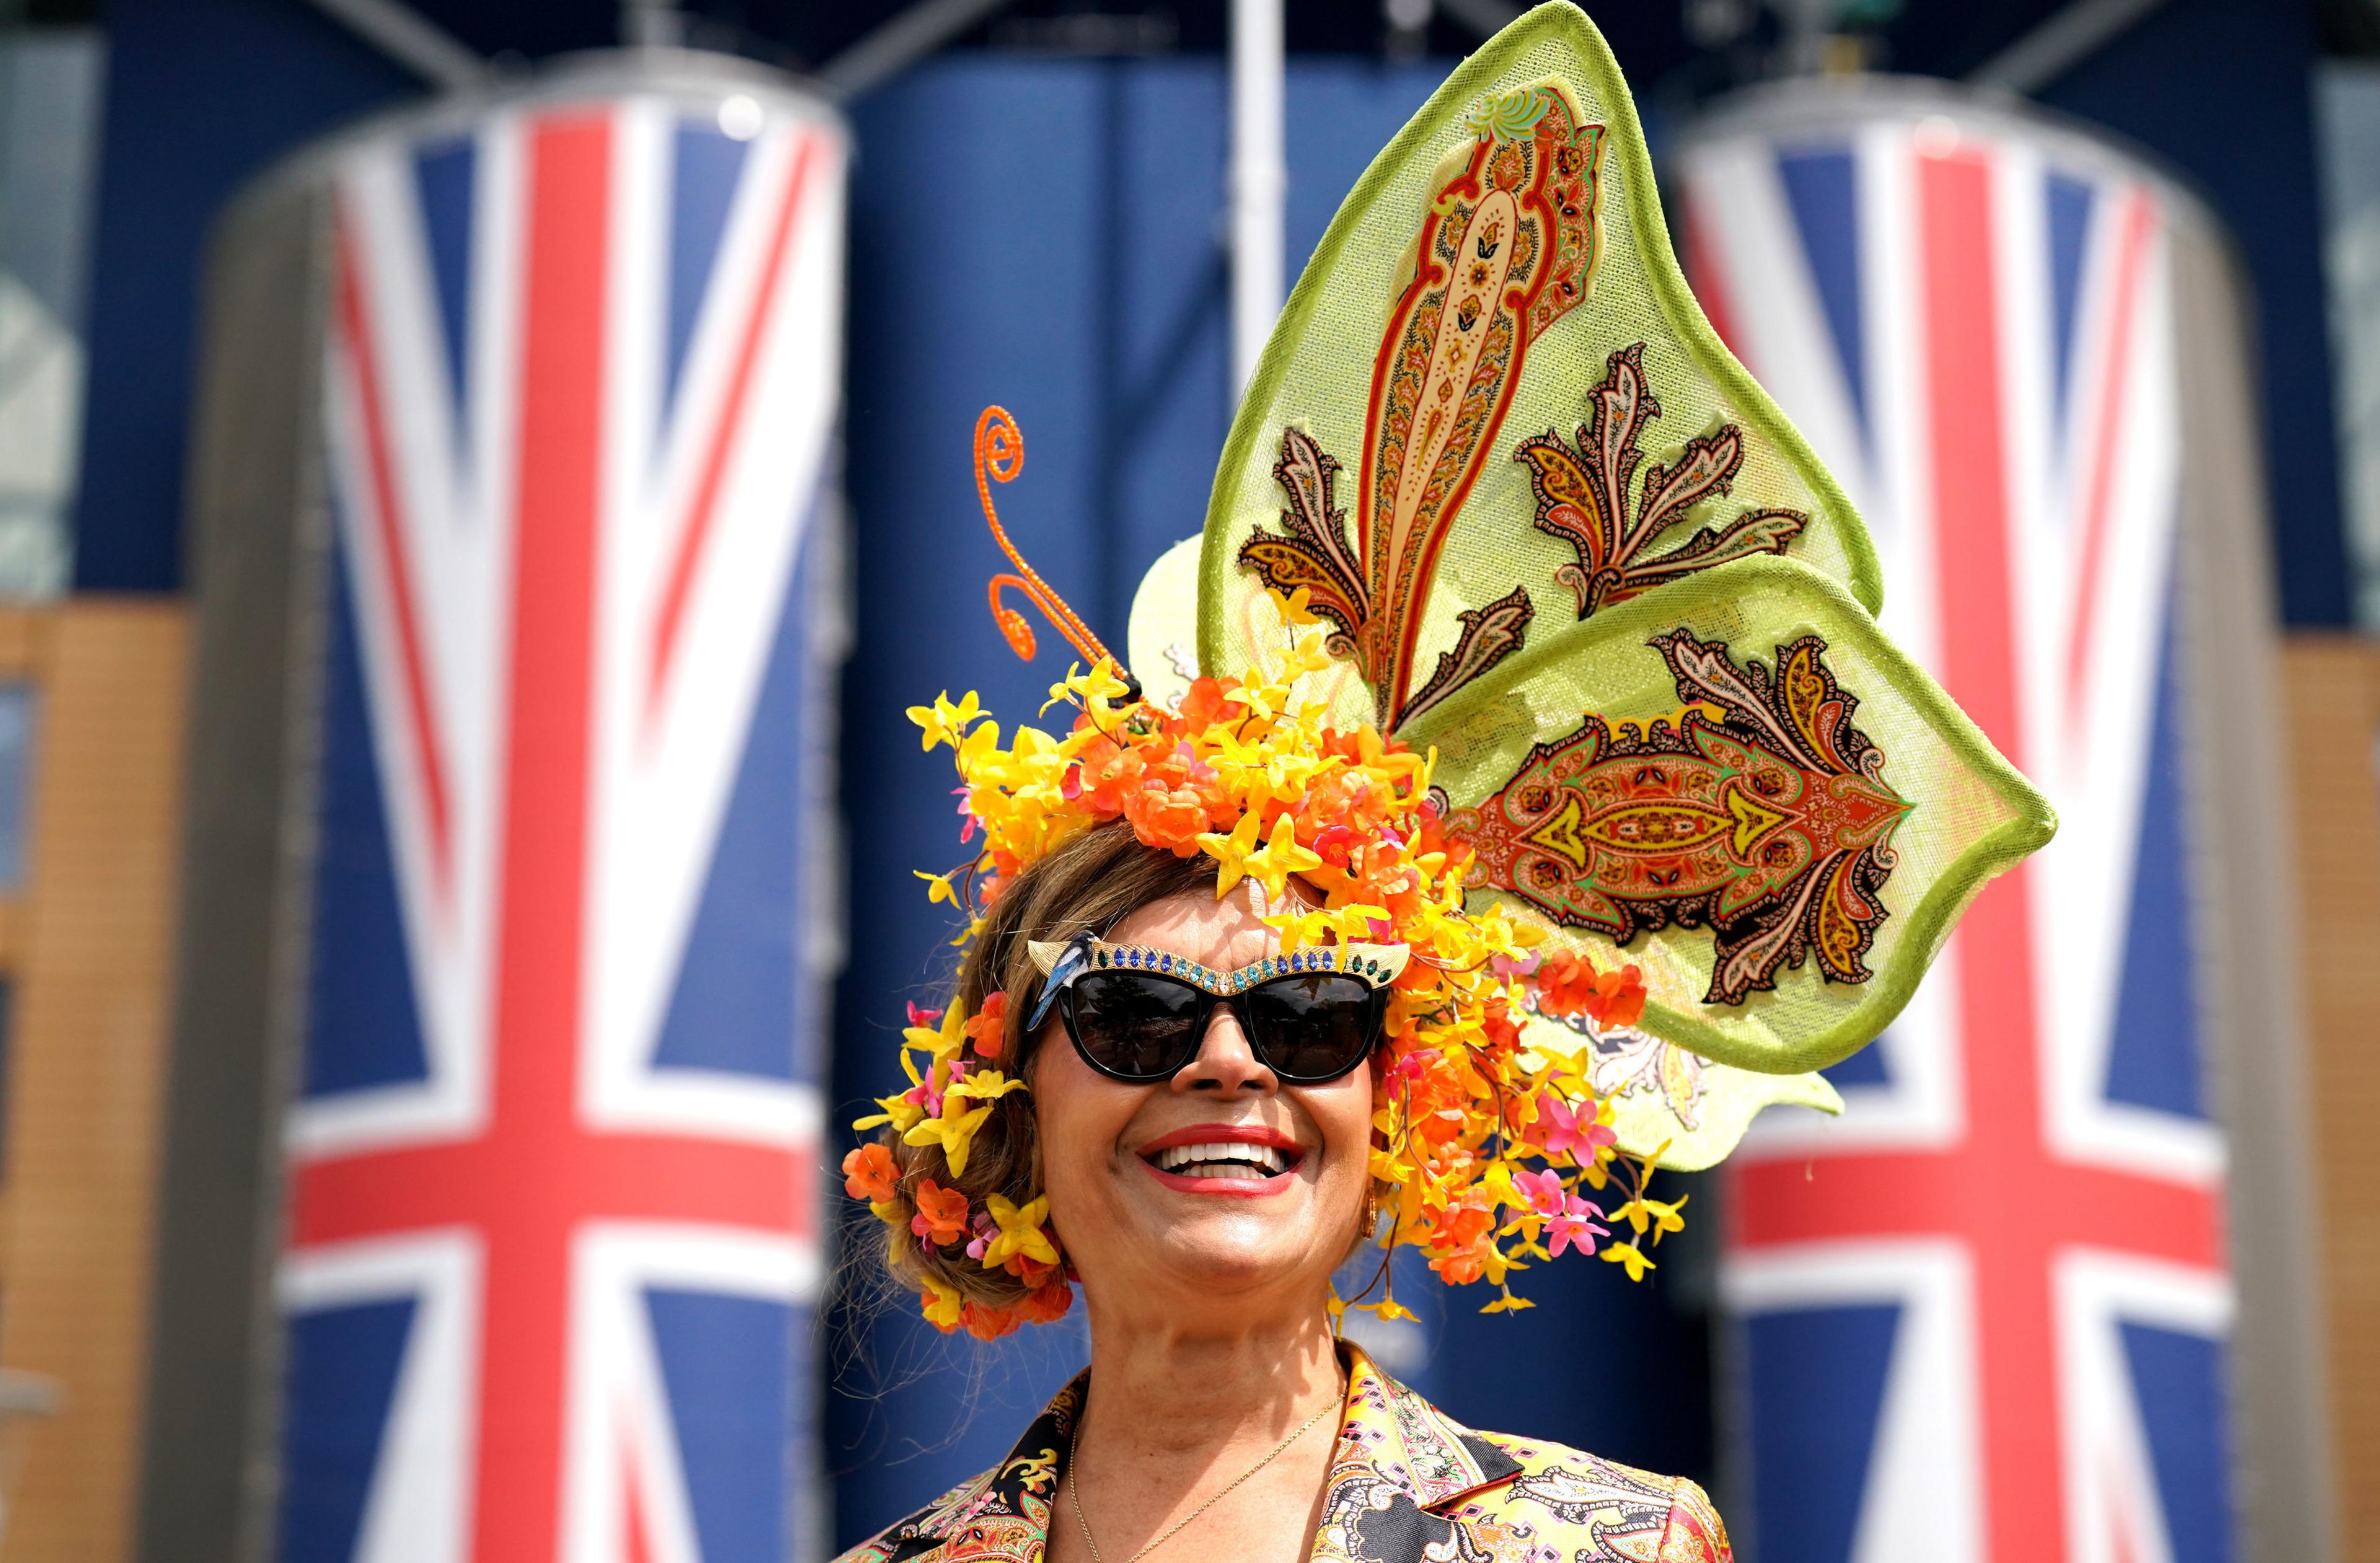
(1000, 456)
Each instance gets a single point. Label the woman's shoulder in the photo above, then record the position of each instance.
(996, 1511)
(1557, 1489)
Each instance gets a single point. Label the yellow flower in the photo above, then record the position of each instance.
(900, 1112)
(1231, 852)
(939, 888)
(943, 1306)
(985, 1086)
(1625, 1253)
(1661, 1214)
(943, 1041)
(1020, 1233)
(1293, 607)
(954, 1131)
(1280, 858)
(1300, 929)
(943, 722)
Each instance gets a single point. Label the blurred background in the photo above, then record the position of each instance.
(480, 480)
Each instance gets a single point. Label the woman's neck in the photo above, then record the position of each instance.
(1191, 1388)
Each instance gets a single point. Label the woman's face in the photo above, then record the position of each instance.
(1135, 1229)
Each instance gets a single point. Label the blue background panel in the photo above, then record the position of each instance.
(2186, 1414)
(366, 1029)
(721, 1359)
(1816, 1392)
(340, 1381)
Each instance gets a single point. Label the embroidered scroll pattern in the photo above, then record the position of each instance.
(1760, 813)
(1508, 245)
(1583, 494)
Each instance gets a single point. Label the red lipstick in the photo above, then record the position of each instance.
(1225, 1135)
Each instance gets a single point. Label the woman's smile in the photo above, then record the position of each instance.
(1245, 1159)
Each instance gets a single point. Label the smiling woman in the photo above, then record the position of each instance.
(1197, 1138)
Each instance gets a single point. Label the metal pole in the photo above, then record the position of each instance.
(1259, 181)
(900, 44)
(2059, 43)
(413, 40)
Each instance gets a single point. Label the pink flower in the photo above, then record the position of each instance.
(1507, 967)
(1543, 1190)
(1412, 1066)
(1564, 1128)
(986, 1229)
(928, 1019)
(966, 832)
(1572, 1228)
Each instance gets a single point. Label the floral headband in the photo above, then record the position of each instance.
(1484, 1149)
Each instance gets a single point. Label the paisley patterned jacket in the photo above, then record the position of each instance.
(1407, 1484)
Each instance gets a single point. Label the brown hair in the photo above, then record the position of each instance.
(1093, 880)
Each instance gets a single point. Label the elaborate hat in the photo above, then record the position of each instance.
(1525, 626)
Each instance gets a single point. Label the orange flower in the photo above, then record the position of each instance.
(1029, 1270)
(1047, 1303)
(1108, 775)
(941, 1213)
(989, 1323)
(986, 1025)
(1622, 999)
(1568, 983)
(1172, 819)
(868, 1174)
(1208, 702)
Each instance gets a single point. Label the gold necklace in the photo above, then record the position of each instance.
(1074, 1496)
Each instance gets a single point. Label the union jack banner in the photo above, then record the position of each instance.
(1984, 1314)
(552, 1230)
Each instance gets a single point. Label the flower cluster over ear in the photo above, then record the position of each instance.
(1484, 1150)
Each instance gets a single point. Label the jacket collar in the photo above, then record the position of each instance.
(1409, 1443)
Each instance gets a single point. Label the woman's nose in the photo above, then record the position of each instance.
(1226, 1065)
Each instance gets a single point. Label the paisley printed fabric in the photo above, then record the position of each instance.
(1407, 1484)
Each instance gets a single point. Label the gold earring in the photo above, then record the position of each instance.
(1371, 1213)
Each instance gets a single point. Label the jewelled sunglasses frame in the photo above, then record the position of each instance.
(1374, 965)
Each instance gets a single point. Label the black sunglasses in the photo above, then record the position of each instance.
(1140, 1015)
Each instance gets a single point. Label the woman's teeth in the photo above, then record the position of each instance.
(1230, 1161)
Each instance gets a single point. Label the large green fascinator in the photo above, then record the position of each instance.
(1562, 538)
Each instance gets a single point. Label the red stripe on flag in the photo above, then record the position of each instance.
(354, 325)
(2105, 446)
(540, 918)
(727, 423)
(2025, 1481)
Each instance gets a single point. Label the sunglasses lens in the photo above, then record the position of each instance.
(1313, 1028)
(1132, 1024)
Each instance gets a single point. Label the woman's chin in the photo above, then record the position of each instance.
(1224, 1244)
(1223, 1263)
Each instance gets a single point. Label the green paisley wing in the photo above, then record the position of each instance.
(1560, 537)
